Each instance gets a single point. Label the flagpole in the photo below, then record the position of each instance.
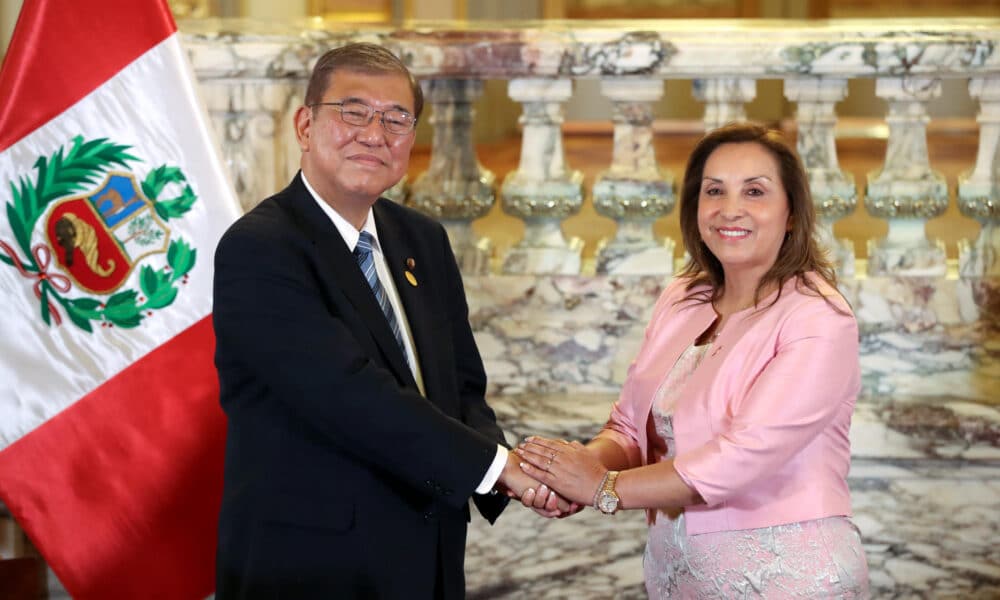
(9, 9)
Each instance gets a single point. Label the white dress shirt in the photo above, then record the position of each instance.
(351, 236)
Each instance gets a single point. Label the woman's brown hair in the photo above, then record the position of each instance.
(799, 252)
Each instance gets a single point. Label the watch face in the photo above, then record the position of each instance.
(608, 502)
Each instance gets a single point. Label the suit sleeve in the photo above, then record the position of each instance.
(471, 375)
(272, 321)
(800, 391)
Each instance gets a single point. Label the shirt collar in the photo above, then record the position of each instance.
(347, 231)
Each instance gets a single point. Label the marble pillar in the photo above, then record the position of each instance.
(455, 189)
(833, 190)
(254, 125)
(906, 191)
(398, 192)
(634, 191)
(979, 188)
(543, 190)
(724, 99)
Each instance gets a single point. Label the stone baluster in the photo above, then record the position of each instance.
(979, 189)
(542, 191)
(724, 99)
(906, 191)
(455, 189)
(634, 191)
(833, 190)
(252, 120)
(398, 192)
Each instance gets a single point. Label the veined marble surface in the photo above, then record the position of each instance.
(925, 474)
(919, 336)
(925, 487)
(539, 333)
(675, 47)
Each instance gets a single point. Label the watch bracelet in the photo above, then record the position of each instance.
(600, 488)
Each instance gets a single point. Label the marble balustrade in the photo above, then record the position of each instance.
(252, 74)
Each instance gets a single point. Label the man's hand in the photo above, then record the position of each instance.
(545, 502)
(517, 484)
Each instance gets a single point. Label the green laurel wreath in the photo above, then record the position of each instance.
(72, 171)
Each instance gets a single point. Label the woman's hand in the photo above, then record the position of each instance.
(568, 468)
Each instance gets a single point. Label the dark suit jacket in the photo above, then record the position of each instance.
(341, 481)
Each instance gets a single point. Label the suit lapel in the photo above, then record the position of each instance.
(399, 246)
(336, 260)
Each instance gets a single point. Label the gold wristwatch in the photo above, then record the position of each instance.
(607, 500)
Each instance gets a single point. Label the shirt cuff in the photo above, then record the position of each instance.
(493, 473)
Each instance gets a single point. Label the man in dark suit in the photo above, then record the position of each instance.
(358, 428)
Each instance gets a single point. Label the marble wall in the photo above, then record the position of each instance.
(543, 334)
(925, 474)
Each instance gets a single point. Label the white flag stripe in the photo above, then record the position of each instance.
(46, 368)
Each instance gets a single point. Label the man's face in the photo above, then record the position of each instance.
(350, 166)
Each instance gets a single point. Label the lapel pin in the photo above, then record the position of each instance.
(410, 263)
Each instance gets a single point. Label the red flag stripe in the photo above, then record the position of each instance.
(121, 490)
(88, 47)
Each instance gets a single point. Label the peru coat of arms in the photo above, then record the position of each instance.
(85, 221)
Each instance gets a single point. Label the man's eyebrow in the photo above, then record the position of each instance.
(365, 102)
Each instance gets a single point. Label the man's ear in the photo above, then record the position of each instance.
(303, 125)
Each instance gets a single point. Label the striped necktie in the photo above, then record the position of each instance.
(366, 260)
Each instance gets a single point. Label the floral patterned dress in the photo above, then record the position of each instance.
(822, 558)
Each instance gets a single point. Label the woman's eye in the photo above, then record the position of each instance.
(755, 192)
(712, 192)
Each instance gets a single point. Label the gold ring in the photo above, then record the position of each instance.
(548, 465)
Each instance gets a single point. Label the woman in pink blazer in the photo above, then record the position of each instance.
(732, 426)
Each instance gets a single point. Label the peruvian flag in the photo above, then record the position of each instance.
(113, 200)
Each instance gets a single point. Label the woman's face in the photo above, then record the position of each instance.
(743, 208)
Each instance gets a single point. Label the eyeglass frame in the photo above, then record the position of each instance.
(371, 115)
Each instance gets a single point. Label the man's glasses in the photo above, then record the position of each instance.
(394, 121)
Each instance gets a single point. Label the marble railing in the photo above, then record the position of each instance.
(252, 75)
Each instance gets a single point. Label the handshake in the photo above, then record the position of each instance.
(555, 478)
